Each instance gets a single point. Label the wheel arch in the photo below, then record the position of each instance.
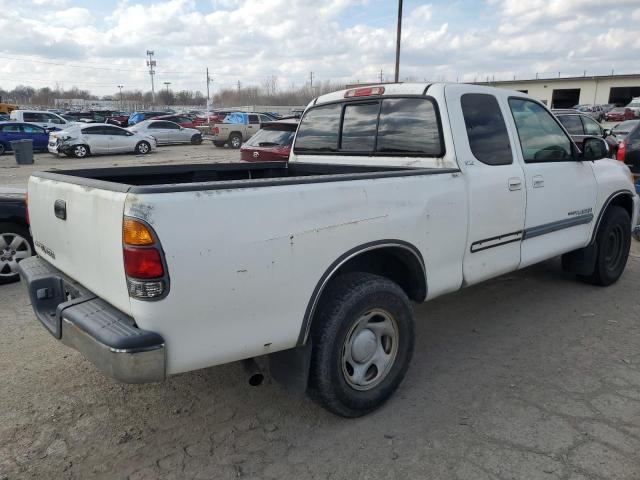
(621, 198)
(396, 260)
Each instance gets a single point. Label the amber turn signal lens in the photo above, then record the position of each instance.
(136, 233)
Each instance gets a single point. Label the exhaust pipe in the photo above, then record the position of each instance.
(254, 374)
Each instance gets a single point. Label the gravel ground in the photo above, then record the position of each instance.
(529, 376)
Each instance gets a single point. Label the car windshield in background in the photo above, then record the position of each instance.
(388, 126)
(623, 129)
(271, 138)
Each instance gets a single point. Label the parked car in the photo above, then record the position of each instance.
(594, 111)
(271, 143)
(237, 127)
(167, 133)
(581, 126)
(99, 138)
(213, 118)
(120, 119)
(313, 264)
(182, 120)
(47, 120)
(4, 117)
(619, 114)
(629, 148)
(11, 131)
(86, 117)
(136, 117)
(634, 105)
(15, 240)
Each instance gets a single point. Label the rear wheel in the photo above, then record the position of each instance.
(235, 140)
(196, 139)
(15, 246)
(2, 149)
(142, 148)
(362, 344)
(218, 143)
(80, 151)
(613, 241)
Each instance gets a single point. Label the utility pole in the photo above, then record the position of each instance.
(311, 81)
(380, 75)
(167, 84)
(238, 86)
(208, 100)
(151, 63)
(120, 87)
(399, 34)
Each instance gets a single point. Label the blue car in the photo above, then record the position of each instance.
(10, 131)
(137, 117)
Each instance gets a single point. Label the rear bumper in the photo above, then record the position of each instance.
(103, 334)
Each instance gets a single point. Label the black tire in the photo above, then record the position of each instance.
(218, 143)
(347, 300)
(142, 148)
(9, 231)
(80, 151)
(196, 139)
(3, 149)
(613, 241)
(235, 140)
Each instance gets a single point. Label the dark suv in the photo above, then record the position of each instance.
(581, 126)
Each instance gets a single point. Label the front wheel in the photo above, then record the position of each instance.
(362, 344)
(80, 151)
(613, 241)
(142, 148)
(196, 139)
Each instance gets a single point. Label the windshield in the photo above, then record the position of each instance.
(622, 129)
(634, 104)
(271, 138)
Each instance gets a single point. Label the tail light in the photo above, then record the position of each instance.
(215, 130)
(144, 264)
(622, 151)
(364, 92)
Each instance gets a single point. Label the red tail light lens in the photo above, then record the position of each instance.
(143, 263)
(364, 92)
(215, 130)
(622, 151)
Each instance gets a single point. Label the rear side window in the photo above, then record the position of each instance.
(486, 130)
(32, 117)
(319, 129)
(572, 123)
(390, 126)
(253, 119)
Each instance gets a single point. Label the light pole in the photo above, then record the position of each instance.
(398, 35)
(167, 84)
(121, 87)
(151, 63)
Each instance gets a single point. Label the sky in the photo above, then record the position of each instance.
(97, 45)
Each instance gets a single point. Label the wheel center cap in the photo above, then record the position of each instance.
(363, 346)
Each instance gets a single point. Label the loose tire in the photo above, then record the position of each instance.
(196, 139)
(362, 344)
(613, 241)
(218, 143)
(15, 246)
(80, 151)
(142, 148)
(235, 140)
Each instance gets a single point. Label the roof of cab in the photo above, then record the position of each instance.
(389, 89)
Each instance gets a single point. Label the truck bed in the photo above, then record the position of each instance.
(189, 177)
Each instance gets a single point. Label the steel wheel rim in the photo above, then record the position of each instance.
(80, 151)
(613, 247)
(13, 249)
(370, 349)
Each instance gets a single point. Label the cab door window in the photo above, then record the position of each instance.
(541, 137)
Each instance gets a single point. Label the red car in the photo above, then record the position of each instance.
(213, 118)
(182, 120)
(619, 114)
(272, 143)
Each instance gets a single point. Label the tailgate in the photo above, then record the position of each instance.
(86, 243)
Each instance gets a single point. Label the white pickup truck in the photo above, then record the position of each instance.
(392, 194)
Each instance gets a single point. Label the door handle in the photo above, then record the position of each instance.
(538, 181)
(515, 183)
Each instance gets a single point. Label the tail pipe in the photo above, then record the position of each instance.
(253, 372)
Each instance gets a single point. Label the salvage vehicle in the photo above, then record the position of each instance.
(619, 114)
(82, 140)
(629, 149)
(272, 143)
(167, 133)
(392, 194)
(11, 131)
(182, 120)
(15, 240)
(237, 127)
(48, 120)
(581, 126)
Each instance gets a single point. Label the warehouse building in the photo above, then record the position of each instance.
(569, 91)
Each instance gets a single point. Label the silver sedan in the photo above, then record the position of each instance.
(167, 133)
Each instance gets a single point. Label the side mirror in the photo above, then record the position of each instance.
(594, 148)
(607, 132)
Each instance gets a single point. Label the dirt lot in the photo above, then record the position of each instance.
(529, 376)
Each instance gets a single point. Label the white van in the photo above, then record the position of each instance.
(43, 119)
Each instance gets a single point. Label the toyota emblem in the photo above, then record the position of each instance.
(256, 154)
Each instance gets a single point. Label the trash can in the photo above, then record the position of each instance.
(23, 151)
